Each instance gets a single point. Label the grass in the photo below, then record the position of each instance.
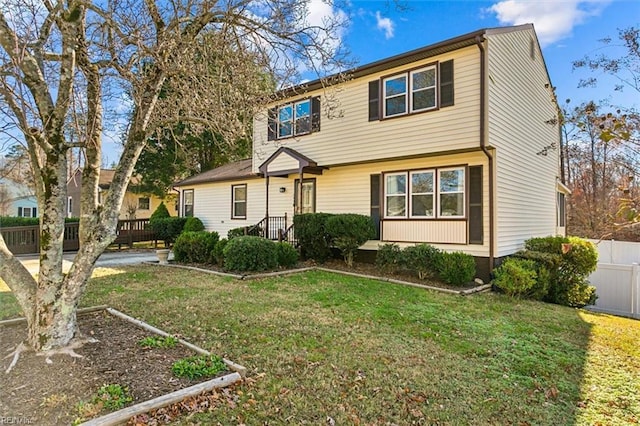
(322, 346)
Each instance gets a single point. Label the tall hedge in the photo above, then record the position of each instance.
(313, 238)
(167, 228)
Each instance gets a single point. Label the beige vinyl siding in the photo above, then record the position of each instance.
(343, 189)
(346, 135)
(283, 162)
(519, 106)
(434, 231)
(346, 189)
(212, 204)
(131, 199)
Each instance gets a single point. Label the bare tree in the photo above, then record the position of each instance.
(65, 62)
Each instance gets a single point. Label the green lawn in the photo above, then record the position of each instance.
(321, 345)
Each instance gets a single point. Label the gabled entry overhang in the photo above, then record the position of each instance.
(286, 161)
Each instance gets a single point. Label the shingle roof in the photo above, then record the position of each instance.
(232, 171)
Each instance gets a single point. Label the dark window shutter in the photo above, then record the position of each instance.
(20, 211)
(315, 114)
(475, 205)
(34, 212)
(374, 100)
(375, 202)
(272, 124)
(446, 83)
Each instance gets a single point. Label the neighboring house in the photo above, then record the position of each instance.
(17, 199)
(134, 206)
(454, 144)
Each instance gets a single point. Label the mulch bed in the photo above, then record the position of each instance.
(41, 393)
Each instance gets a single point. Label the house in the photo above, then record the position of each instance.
(454, 144)
(17, 199)
(134, 205)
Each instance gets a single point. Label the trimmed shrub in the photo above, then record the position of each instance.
(421, 258)
(252, 230)
(250, 253)
(568, 262)
(456, 268)
(217, 254)
(193, 224)
(348, 232)
(167, 228)
(287, 255)
(311, 233)
(160, 212)
(195, 247)
(389, 257)
(516, 277)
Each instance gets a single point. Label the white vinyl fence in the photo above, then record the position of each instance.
(617, 278)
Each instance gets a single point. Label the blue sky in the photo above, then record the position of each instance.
(567, 30)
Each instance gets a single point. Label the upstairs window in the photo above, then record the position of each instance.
(294, 119)
(395, 95)
(410, 92)
(143, 203)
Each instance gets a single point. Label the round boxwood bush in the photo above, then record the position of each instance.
(249, 253)
(456, 268)
(516, 277)
(193, 224)
(195, 247)
(287, 255)
(388, 257)
(421, 258)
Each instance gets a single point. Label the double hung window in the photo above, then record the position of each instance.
(239, 201)
(425, 194)
(294, 119)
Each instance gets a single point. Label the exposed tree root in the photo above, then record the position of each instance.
(76, 343)
(16, 355)
(67, 350)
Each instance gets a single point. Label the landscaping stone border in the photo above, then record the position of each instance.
(466, 292)
(121, 416)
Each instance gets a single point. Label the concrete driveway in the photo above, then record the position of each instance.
(108, 258)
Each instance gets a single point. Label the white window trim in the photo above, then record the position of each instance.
(386, 194)
(463, 192)
(432, 193)
(435, 88)
(184, 201)
(385, 97)
(436, 194)
(234, 201)
(294, 119)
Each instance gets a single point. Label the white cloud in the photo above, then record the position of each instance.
(553, 20)
(386, 25)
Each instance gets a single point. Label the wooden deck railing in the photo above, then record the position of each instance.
(26, 239)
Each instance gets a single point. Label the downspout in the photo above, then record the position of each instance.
(483, 146)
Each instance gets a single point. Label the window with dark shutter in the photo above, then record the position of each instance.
(446, 83)
(475, 205)
(272, 123)
(34, 212)
(374, 100)
(315, 114)
(19, 211)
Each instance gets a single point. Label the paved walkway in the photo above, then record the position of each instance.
(109, 258)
